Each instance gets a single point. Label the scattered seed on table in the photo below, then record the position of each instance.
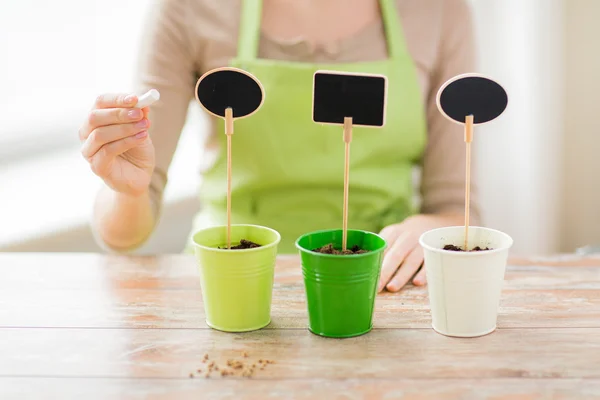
(191, 375)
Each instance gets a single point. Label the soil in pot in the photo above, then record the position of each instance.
(244, 244)
(452, 247)
(329, 249)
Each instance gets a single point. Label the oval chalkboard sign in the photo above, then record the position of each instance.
(471, 94)
(229, 87)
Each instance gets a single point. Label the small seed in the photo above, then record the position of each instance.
(235, 364)
(191, 375)
(245, 354)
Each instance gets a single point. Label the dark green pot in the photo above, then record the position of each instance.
(341, 290)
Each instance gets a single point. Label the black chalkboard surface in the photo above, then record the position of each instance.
(472, 94)
(228, 87)
(338, 95)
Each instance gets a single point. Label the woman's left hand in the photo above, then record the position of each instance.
(404, 256)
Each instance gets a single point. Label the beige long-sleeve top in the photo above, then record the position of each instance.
(185, 38)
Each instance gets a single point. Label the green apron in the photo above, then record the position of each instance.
(288, 172)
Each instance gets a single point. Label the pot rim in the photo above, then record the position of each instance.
(239, 251)
(340, 256)
(462, 253)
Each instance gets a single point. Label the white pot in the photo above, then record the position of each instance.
(465, 287)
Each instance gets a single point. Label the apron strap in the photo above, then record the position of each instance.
(393, 29)
(249, 35)
(250, 19)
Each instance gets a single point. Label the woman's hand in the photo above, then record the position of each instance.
(404, 256)
(115, 142)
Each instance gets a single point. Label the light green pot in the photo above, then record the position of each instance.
(237, 285)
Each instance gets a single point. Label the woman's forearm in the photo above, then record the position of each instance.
(123, 222)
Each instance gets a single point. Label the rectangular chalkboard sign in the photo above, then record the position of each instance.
(337, 95)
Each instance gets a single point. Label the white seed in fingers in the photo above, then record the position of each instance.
(148, 98)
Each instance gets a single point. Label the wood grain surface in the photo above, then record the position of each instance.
(115, 327)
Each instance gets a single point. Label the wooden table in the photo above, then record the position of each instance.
(94, 326)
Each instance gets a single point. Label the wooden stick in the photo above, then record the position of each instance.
(229, 133)
(468, 140)
(347, 140)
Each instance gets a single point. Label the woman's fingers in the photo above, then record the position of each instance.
(408, 268)
(396, 253)
(421, 278)
(390, 234)
(107, 134)
(109, 116)
(109, 109)
(101, 161)
(115, 100)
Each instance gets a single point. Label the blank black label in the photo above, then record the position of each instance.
(473, 95)
(226, 88)
(337, 96)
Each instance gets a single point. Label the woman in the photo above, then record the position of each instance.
(293, 183)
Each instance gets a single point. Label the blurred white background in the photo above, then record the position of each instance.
(537, 162)
(56, 67)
